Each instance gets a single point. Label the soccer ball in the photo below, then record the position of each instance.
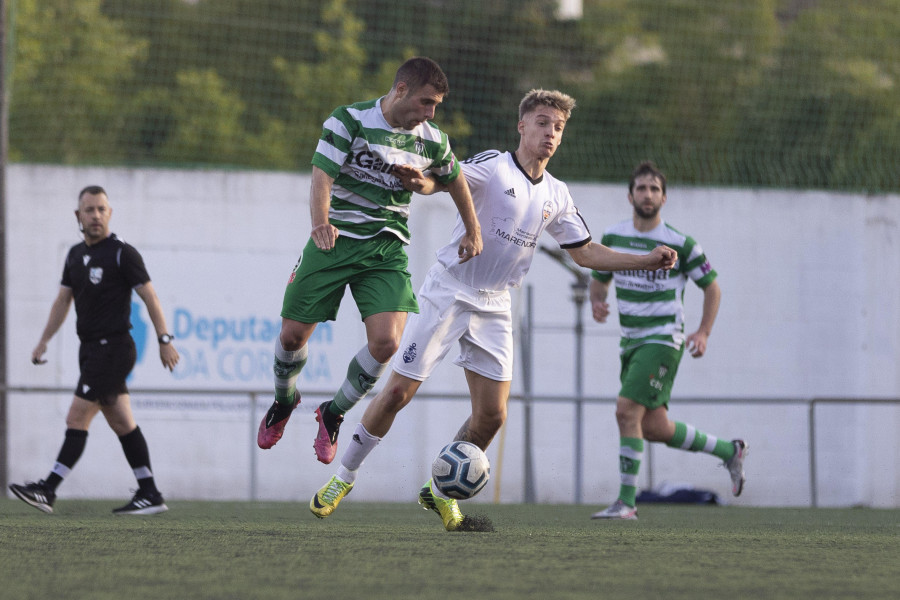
(460, 470)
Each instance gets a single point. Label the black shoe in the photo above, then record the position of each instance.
(38, 495)
(143, 503)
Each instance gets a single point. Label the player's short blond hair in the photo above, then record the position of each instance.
(552, 98)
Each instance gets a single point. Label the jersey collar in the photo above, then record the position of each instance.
(527, 176)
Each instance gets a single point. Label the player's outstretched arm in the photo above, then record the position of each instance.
(416, 181)
(471, 244)
(58, 311)
(602, 258)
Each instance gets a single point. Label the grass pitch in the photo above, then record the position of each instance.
(270, 551)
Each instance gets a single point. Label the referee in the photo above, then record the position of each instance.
(99, 275)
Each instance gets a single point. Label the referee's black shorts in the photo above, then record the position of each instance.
(105, 364)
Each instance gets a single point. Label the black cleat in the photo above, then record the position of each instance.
(38, 495)
(143, 503)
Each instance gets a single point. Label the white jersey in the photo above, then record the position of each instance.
(513, 210)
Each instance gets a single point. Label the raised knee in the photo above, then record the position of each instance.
(290, 340)
(383, 350)
(295, 334)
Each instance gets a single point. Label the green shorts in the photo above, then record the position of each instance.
(648, 374)
(376, 269)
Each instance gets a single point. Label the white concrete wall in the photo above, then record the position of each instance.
(811, 308)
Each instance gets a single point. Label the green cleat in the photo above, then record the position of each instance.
(448, 509)
(327, 499)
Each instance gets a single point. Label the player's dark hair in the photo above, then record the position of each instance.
(92, 190)
(419, 71)
(647, 168)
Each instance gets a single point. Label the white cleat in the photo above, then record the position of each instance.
(735, 466)
(617, 510)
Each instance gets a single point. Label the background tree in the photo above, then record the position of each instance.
(792, 93)
(72, 69)
(827, 111)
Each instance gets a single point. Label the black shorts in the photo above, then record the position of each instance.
(105, 364)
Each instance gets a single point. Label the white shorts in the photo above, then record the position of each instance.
(449, 311)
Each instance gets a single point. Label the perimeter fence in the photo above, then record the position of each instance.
(257, 401)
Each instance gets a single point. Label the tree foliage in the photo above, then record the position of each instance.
(72, 67)
(757, 93)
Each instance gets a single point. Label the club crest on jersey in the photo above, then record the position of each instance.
(409, 354)
(96, 275)
(548, 209)
(420, 146)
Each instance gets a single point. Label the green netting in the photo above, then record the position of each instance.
(788, 93)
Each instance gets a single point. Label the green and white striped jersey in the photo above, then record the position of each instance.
(359, 149)
(651, 303)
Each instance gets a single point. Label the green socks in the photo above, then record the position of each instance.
(287, 367)
(688, 438)
(631, 450)
(362, 374)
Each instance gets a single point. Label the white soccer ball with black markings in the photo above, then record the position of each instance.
(461, 470)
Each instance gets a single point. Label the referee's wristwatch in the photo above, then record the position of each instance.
(166, 338)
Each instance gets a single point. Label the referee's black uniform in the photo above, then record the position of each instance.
(102, 277)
